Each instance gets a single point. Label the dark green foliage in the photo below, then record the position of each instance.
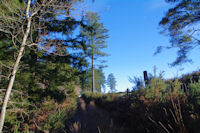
(195, 91)
(56, 117)
(89, 96)
(181, 24)
(99, 97)
(56, 122)
(13, 4)
(157, 90)
(43, 73)
(47, 76)
(189, 78)
(94, 35)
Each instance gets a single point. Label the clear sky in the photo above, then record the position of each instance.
(134, 36)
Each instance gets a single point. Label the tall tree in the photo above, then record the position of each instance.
(94, 35)
(26, 26)
(111, 82)
(181, 23)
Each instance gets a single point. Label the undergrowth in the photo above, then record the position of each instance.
(160, 108)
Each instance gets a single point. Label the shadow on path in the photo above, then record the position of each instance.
(91, 119)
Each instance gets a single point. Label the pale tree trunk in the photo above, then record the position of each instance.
(93, 80)
(15, 68)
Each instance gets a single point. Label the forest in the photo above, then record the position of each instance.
(52, 61)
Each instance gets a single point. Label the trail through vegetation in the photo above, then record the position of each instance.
(49, 56)
(90, 118)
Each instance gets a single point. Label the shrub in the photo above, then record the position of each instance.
(56, 122)
(195, 91)
(157, 90)
(89, 96)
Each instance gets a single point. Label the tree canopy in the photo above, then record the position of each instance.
(94, 35)
(47, 66)
(181, 24)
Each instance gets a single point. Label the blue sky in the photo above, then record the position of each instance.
(134, 35)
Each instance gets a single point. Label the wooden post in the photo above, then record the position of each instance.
(127, 91)
(146, 80)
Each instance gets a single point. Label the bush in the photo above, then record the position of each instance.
(157, 90)
(90, 96)
(56, 122)
(195, 91)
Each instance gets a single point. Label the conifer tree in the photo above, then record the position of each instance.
(181, 24)
(25, 24)
(94, 36)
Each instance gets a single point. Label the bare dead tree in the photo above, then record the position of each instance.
(20, 24)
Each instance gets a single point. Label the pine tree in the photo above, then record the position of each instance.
(94, 36)
(181, 24)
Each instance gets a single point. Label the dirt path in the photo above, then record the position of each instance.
(91, 119)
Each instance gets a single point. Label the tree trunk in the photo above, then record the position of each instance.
(15, 68)
(93, 80)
